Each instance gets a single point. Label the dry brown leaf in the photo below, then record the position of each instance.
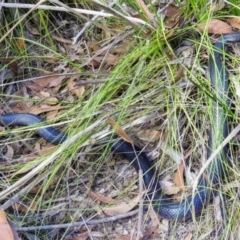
(21, 44)
(82, 236)
(178, 177)
(12, 64)
(171, 10)
(53, 81)
(169, 188)
(95, 47)
(151, 135)
(5, 229)
(63, 40)
(77, 91)
(129, 237)
(33, 30)
(150, 230)
(52, 115)
(24, 208)
(39, 152)
(111, 59)
(155, 222)
(21, 107)
(35, 87)
(103, 199)
(189, 236)
(234, 22)
(123, 207)
(215, 26)
(119, 130)
(180, 73)
(45, 108)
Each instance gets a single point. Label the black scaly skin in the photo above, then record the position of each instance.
(166, 207)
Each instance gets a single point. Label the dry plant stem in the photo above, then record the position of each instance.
(117, 14)
(143, 6)
(87, 25)
(63, 74)
(165, 8)
(214, 154)
(78, 224)
(63, 9)
(49, 160)
(20, 20)
(140, 214)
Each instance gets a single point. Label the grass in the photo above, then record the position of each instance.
(141, 92)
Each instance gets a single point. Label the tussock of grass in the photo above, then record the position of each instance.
(140, 93)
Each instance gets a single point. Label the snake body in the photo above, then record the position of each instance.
(166, 207)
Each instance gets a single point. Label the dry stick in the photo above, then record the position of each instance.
(20, 20)
(63, 9)
(87, 25)
(78, 224)
(117, 14)
(140, 214)
(209, 161)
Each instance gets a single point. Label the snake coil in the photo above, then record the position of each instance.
(166, 207)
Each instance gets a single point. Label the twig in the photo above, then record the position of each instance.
(78, 224)
(62, 9)
(87, 25)
(140, 214)
(117, 14)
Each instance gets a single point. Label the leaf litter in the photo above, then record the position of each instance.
(53, 97)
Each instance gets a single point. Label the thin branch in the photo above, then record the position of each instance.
(62, 9)
(78, 224)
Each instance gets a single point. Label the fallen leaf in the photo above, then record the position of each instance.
(151, 135)
(123, 207)
(77, 91)
(234, 22)
(21, 44)
(21, 107)
(101, 198)
(129, 237)
(155, 223)
(60, 39)
(171, 10)
(12, 64)
(169, 188)
(215, 26)
(39, 152)
(189, 236)
(33, 30)
(178, 177)
(119, 130)
(52, 81)
(45, 108)
(24, 208)
(5, 229)
(82, 236)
